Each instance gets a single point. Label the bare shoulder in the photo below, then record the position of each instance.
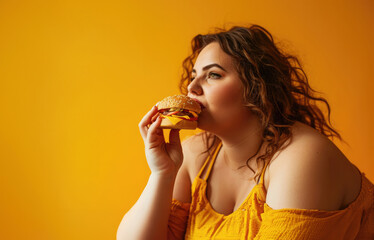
(311, 173)
(193, 159)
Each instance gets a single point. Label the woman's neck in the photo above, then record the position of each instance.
(242, 142)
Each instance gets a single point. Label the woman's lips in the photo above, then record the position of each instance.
(201, 105)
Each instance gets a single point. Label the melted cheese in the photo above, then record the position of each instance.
(175, 119)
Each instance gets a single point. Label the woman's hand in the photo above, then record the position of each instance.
(163, 158)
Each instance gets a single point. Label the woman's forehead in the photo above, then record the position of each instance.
(213, 53)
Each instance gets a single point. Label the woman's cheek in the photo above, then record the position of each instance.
(226, 102)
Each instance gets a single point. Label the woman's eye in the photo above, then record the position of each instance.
(211, 74)
(215, 75)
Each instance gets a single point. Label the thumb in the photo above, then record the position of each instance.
(174, 137)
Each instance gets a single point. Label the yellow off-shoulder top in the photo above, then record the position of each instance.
(254, 219)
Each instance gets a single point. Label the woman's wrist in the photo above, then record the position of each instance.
(165, 175)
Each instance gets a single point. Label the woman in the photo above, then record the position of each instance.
(263, 168)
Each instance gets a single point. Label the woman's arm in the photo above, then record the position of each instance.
(148, 218)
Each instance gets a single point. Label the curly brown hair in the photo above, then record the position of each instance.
(276, 87)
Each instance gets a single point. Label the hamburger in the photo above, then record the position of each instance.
(178, 112)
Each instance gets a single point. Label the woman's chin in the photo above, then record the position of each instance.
(203, 124)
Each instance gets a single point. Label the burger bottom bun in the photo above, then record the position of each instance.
(184, 124)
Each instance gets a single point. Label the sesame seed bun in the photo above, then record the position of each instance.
(179, 101)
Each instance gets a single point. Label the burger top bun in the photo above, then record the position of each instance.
(179, 101)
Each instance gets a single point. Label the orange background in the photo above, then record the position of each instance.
(77, 77)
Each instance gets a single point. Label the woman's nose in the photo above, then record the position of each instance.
(194, 87)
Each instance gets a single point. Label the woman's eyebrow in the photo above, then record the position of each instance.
(209, 66)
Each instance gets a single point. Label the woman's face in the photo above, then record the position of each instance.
(216, 84)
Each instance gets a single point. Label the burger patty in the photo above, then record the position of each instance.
(180, 113)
